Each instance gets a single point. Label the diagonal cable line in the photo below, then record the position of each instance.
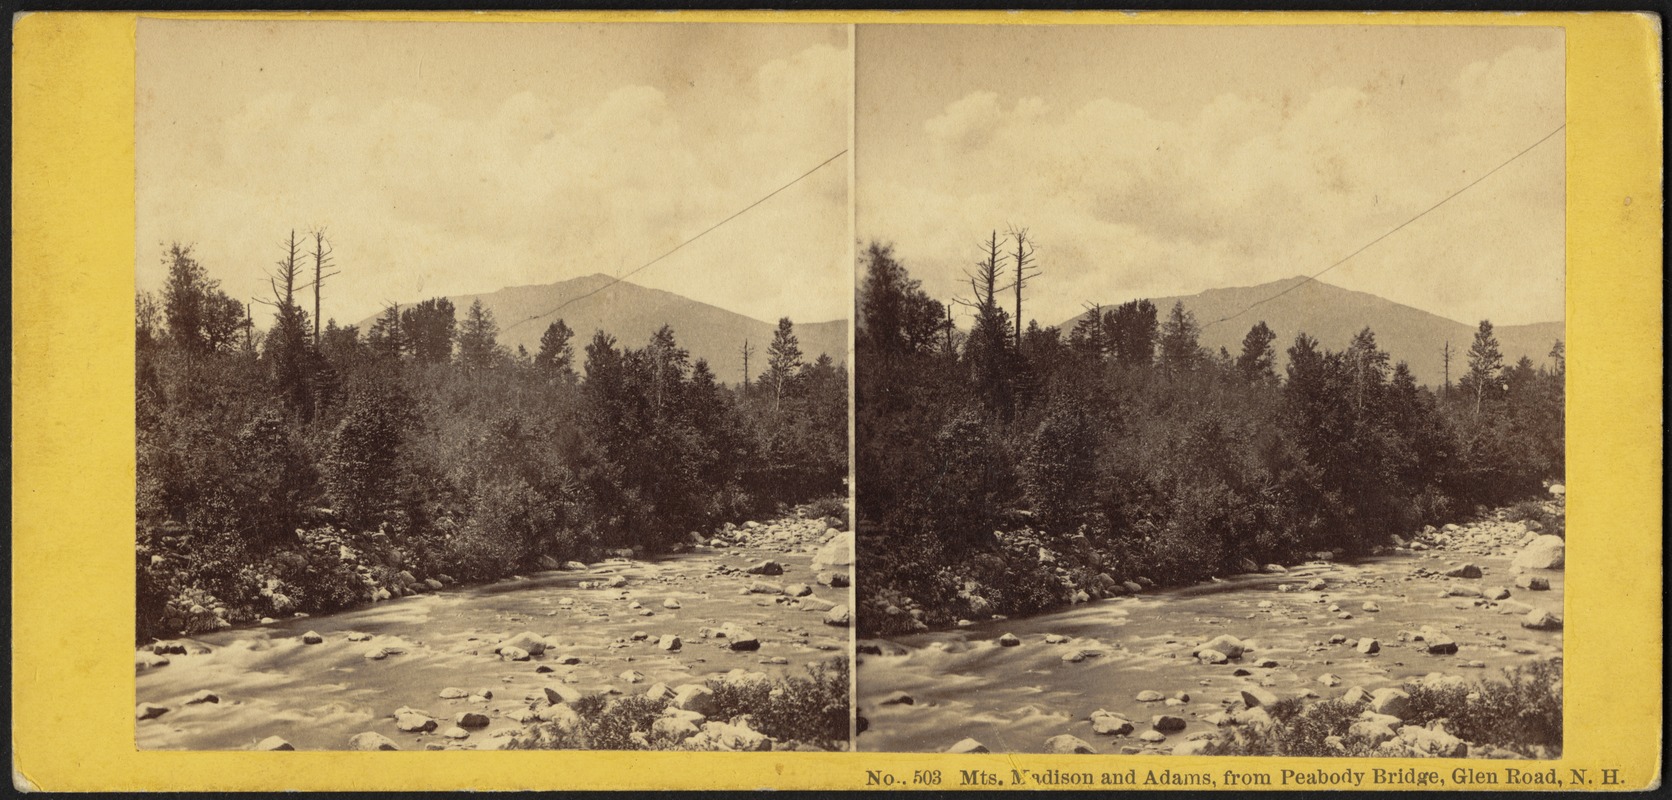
(708, 230)
(1395, 230)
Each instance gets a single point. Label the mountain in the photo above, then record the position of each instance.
(631, 313)
(1332, 315)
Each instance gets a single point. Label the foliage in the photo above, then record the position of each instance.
(276, 475)
(1125, 450)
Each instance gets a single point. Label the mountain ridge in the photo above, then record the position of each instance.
(1333, 315)
(632, 313)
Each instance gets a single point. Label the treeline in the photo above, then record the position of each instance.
(1004, 469)
(307, 468)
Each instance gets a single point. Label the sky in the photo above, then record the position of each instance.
(459, 158)
(1158, 161)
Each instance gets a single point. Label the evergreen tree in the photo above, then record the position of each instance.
(783, 360)
(556, 356)
(428, 330)
(1258, 360)
(1485, 362)
(479, 338)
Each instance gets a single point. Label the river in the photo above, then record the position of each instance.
(962, 683)
(316, 696)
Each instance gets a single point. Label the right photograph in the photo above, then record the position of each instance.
(1209, 390)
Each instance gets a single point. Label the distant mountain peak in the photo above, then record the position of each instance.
(631, 313)
(1332, 315)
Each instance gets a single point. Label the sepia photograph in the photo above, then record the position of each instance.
(1209, 391)
(492, 386)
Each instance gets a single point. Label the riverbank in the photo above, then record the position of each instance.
(476, 667)
(1166, 670)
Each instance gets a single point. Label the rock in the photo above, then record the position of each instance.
(897, 699)
(1211, 657)
(798, 590)
(433, 584)
(694, 697)
(547, 562)
(453, 693)
(1355, 695)
(1433, 743)
(371, 741)
(1330, 679)
(1546, 552)
(312, 638)
(1194, 747)
(673, 729)
(413, 722)
(274, 744)
(204, 696)
(149, 711)
(1009, 640)
(1371, 732)
(1055, 638)
(1274, 569)
(740, 639)
(562, 693)
(1108, 723)
(455, 732)
(1248, 565)
(1368, 646)
(1465, 571)
(1390, 701)
(359, 637)
(669, 642)
(1064, 743)
(1532, 583)
(1315, 585)
(1266, 663)
(632, 676)
(1230, 646)
(837, 616)
(1558, 490)
(838, 552)
(767, 567)
(471, 719)
(1495, 593)
(817, 604)
(968, 746)
(148, 660)
(1167, 723)
(1439, 644)
(616, 582)
(1371, 607)
(1541, 620)
(1153, 736)
(1150, 696)
(670, 603)
(762, 587)
(513, 654)
(724, 736)
(376, 654)
(1255, 697)
(528, 641)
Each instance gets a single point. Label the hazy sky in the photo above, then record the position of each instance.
(1167, 160)
(462, 158)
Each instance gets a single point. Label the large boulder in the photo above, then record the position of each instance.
(694, 697)
(1229, 646)
(527, 641)
(1390, 701)
(1254, 697)
(273, 744)
(767, 567)
(838, 616)
(1532, 583)
(1465, 571)
(371, 741)
(1540, 620)
(838, 552)
(1065, 743)
(1546, 552)
(968, 746)
(1108, 723)
(1426, 743)
(1167, 723)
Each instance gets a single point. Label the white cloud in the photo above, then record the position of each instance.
(1126, 201)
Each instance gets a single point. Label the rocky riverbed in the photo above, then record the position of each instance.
(1168, 671)
(471, 667)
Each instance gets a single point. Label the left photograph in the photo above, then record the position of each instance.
(491, 386)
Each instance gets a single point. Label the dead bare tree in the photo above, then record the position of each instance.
(1026, 270)
(747, 351)
(1445, 358)
(322, 261)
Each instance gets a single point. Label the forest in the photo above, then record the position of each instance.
(307, 467)
(1011, 469)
